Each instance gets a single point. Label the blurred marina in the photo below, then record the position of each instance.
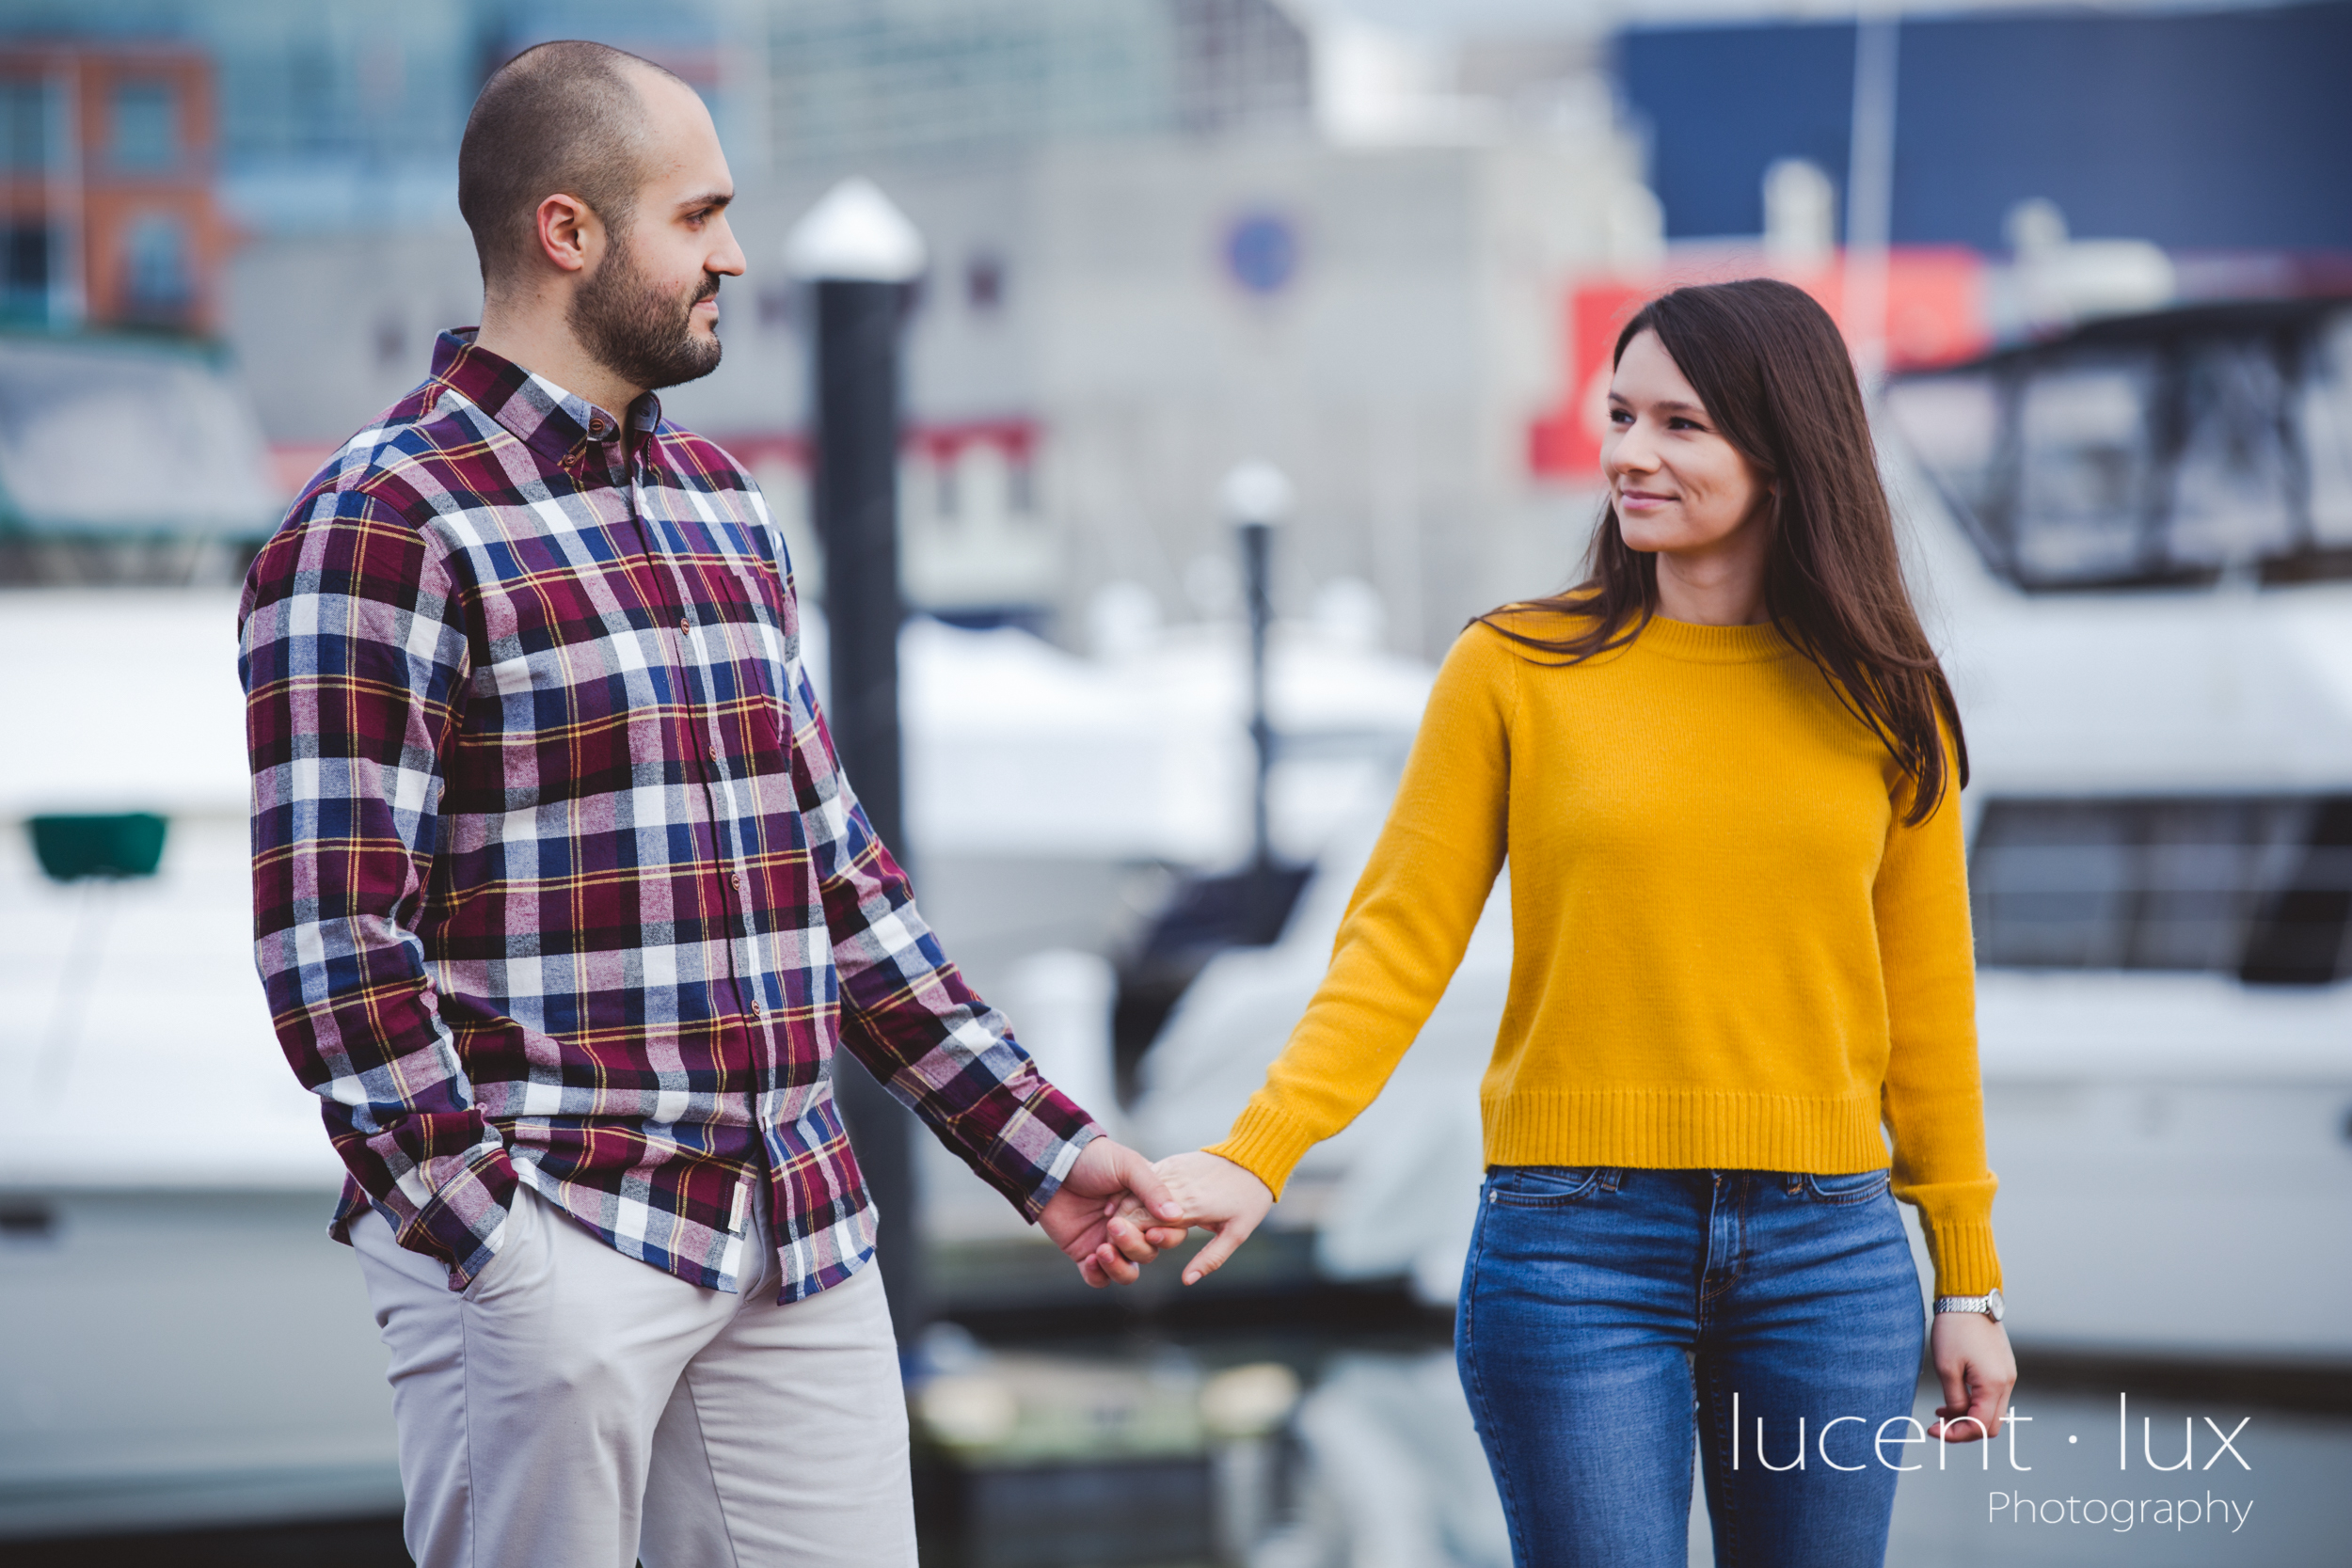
(1382, 249)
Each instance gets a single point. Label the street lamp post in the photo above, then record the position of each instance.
(1257, 498)
(857, 257)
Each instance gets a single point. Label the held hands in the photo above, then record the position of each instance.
(1973, 1360)
(1210, 1191)
(1100, 1216)
(1115, 1212)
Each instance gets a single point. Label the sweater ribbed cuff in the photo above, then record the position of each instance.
(1966, 1263)
(1266, 1144)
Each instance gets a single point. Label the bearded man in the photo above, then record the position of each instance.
(563, 906)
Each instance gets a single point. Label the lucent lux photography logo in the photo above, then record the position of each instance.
(2120, 1514)
(2204, 1443)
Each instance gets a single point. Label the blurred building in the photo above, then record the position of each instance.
(1169, 235)
(1154, 254)
(106, 152)
(2200, 128)
(851, 79)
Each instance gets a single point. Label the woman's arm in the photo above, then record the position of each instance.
(1404, 934)
(1934, 1095)
(1935, 1105)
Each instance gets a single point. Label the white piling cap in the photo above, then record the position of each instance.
(1257, 493)
(855, 235)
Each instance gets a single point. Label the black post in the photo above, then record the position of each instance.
(855, 382)
(1257, 549)
(1265, 898)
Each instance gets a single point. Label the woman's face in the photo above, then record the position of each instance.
(1679, 487)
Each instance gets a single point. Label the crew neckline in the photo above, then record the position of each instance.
(1703, 645)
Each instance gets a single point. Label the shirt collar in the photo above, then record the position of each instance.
(552, 422)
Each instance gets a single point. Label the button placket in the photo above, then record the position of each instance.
(720, 785)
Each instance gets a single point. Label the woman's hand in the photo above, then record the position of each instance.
(1101, 1216)
(1215, 1194)
(1973, 1360)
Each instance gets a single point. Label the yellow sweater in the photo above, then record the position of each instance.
(1728, 951)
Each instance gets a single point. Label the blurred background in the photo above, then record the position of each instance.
(1258, 344)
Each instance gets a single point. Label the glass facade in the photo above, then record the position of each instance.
(339, 114)
(852, 78)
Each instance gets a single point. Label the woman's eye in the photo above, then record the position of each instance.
(1679, 423)
(1620, 416)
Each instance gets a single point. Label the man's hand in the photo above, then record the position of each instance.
(1215, 1194)
(1972, 1358)
(1093, 1215)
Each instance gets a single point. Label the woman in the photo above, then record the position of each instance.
(1726, 769)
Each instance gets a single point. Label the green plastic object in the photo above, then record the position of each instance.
(123, 843)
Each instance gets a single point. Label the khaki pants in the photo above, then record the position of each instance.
(577, 1408)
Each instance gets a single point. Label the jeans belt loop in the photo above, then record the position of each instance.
(1794, 1181)
(1611, 1177)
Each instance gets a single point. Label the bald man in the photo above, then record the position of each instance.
(563, 904)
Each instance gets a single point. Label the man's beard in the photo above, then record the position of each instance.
(637, 331)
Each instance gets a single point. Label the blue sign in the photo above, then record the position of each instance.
(1262, 252)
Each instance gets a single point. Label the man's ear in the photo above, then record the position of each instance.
(569, 232)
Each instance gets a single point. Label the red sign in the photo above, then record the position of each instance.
(1936, 315)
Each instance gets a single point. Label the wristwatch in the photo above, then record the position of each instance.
(1990, 1305)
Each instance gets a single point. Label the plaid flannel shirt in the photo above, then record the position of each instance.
(556, 877)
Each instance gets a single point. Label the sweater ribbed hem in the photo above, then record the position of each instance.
(1966, 1263)
(1266, 1144)
(1665, 1129)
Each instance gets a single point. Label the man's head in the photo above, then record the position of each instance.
(596, 192)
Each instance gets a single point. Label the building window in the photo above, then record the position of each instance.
(2255, 886)
(983, 283)
(948, 492)
(24, 263)
(156, 283)
(24, 124)
(146, 125)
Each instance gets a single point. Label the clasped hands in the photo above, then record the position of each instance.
(1115, 1210)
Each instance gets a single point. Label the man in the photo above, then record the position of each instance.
(563, 905)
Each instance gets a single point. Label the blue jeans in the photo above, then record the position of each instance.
(1605, 1312)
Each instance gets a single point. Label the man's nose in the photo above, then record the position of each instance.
(728, 257)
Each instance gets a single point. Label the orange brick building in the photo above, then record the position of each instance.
(107, 212)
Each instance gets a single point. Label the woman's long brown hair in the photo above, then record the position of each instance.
(1769, 367)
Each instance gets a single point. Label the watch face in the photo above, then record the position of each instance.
(1997, 1307)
